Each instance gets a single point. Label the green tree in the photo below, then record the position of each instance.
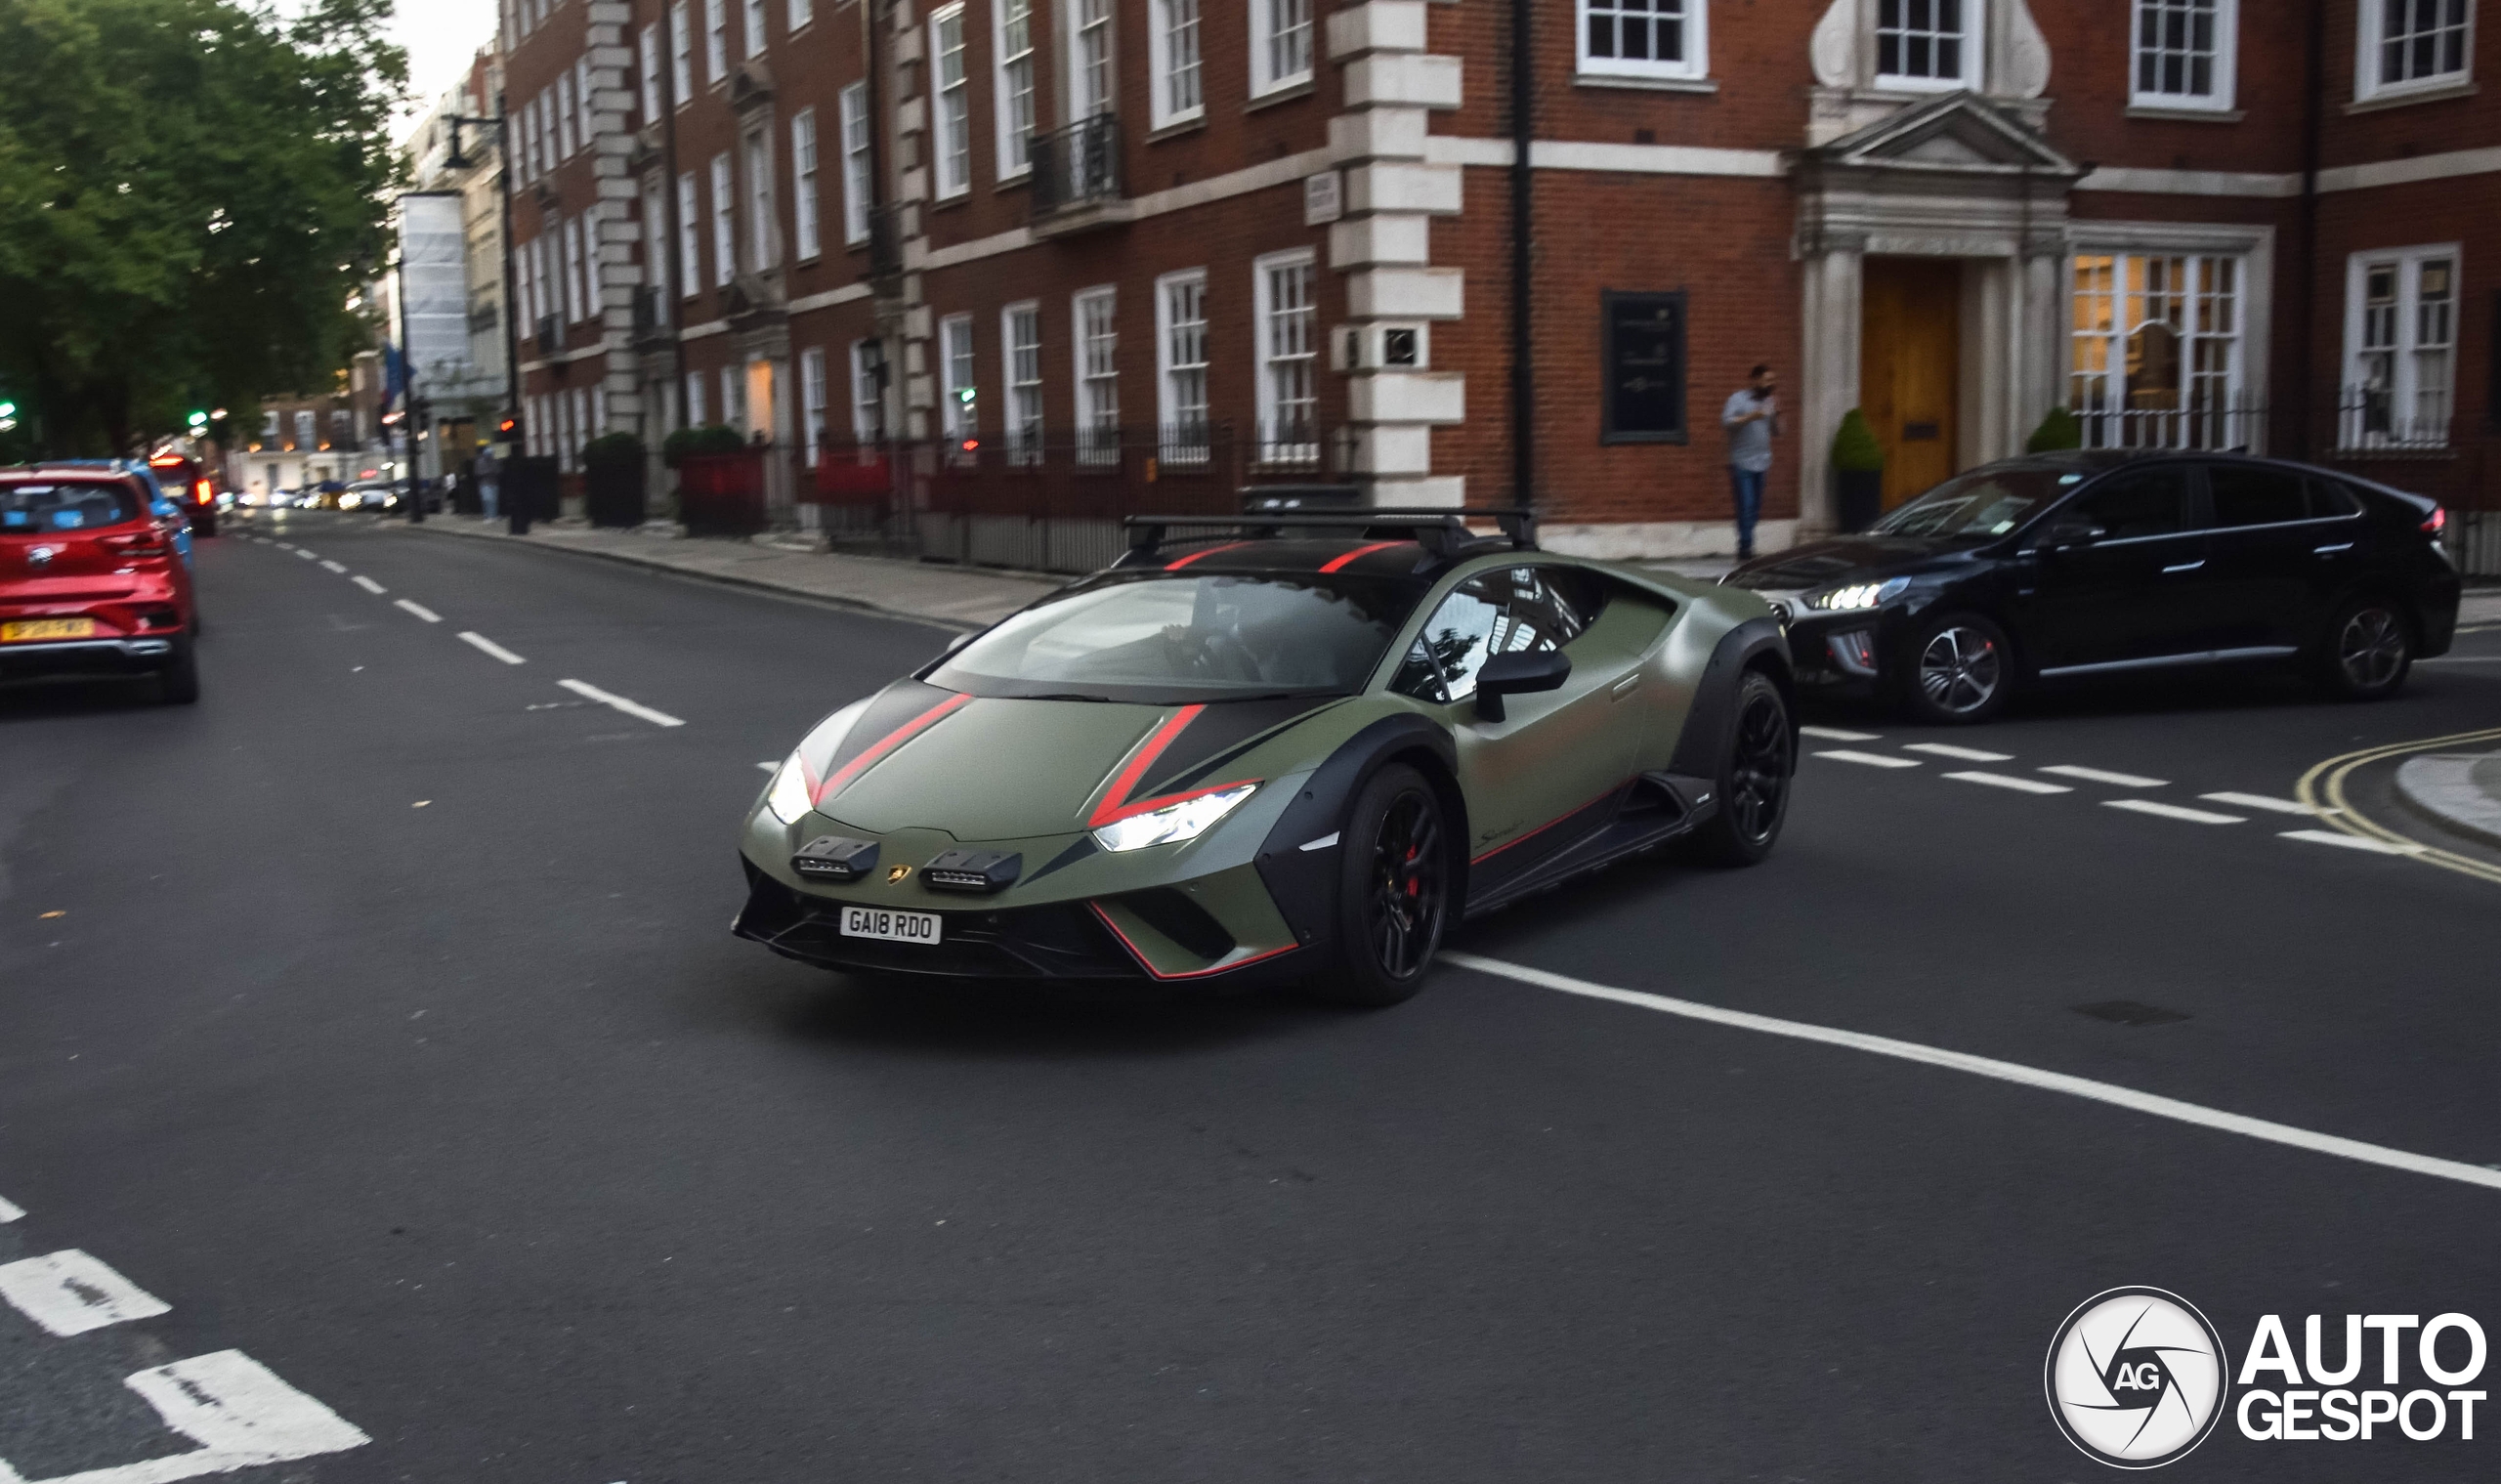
(192, 193)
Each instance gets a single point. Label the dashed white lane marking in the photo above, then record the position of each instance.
(9, 1213)
(330, 566)
(418, 609)
(2005, 781)
(2000, 1070)
(285, 546)
(2174, 812)
(770, 767)
(368, 585)
(1871, 759)
(241, 1415)
(69, 1293)
(306, 555)
(2350, 842)
(1966, 754)
(1836, 734)
(2262, 801)
(630, 708)
(486, 646)
(2104, 775)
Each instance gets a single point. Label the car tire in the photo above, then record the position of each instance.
(2368, 649)
(178, 683)
(1754, 779)
(1957, 670)
(1396, 886)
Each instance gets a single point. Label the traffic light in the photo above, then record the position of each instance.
(508, 430)
(199, 419)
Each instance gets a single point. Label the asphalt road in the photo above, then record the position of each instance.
(378, 1018)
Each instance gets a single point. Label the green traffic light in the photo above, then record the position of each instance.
(8, 409)
(199, 419)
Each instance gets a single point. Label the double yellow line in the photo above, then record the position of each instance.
(2322, 788)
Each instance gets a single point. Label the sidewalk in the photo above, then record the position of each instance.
(2457, 791)
(955, 597)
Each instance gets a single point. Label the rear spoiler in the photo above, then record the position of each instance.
(1444, 532)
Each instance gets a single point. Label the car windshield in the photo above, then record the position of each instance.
(1163, 640)
(67, 506)
(1979, 505)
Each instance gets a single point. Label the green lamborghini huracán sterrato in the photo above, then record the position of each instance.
(1261, 749)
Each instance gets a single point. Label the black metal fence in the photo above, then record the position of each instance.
(1076, 166)
(1053, 499)
(2235, 422)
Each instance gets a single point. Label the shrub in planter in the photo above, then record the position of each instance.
(712, 438)
(613, 480)
(1858, 473)
(2059, 430)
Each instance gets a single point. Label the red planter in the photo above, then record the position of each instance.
(721, 493)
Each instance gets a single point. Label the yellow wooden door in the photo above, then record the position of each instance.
(1909, 368)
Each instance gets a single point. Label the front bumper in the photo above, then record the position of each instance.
(1840, 651)
(1061, 941)
(86, 657)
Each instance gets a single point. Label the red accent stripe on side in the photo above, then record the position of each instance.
(1196, 556)
(1359, 553)
(844, 774)
(1116, 793)
(1542, 828)
(1221, 968)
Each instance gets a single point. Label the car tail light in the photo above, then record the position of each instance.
(2438, 521)
(201, 494)
(138, 543)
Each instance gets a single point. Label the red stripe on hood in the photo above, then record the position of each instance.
(844, 774)
(1116, 793)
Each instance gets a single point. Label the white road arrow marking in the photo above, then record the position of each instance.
(69, 1293)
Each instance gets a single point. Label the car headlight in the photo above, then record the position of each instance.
(1857, 596)
(1185, 820)
(789, 797)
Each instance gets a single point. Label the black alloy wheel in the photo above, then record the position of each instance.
(1753, 780)
(1960, 670)
(1394, 892)
(2369, 649)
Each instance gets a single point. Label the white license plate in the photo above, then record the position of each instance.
(893, 927)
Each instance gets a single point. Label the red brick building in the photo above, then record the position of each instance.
(1176, 240)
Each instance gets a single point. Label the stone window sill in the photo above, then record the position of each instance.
(2185, 115)
(2399, 100)
(1286, 94)
(1697, 85)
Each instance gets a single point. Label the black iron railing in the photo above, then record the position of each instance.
(2220, 423)
(2380, 420)
(1078, 166)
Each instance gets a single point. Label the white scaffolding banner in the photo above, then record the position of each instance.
(435, 280)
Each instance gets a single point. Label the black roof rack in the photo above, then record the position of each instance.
(1443, 531)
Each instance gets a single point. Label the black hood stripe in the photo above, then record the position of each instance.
(1223, 731)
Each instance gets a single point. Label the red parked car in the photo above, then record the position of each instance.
(91, 582)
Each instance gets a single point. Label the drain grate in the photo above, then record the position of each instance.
(2127, 1012)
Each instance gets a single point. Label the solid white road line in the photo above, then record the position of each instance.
(2004, 781)
(2262, 801)
(488, 646)
(1967, 754)
(69, 1293)
(2101, 776)
(2172, 812)
(1871, 759)
(630, 708)
(368, 585)
(1836, 734)
(2350, 842)
(2000, 1070)
(332, 566)
(244, 1416)
(9, 1213)
(418, 609)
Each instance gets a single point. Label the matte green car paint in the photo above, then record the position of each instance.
(1023, 775)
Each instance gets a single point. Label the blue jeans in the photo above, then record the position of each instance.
(1748, 487)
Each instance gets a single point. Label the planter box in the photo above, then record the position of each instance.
(721, 493)
(612, 492)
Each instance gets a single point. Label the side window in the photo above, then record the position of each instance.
(2329, 499)
(2252, 494)
(2150, 503)
(1519, 610)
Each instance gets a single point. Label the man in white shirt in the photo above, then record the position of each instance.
(1752, 418)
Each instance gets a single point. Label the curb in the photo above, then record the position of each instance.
(720, 580)
(2441, 788)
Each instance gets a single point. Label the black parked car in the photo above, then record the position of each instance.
(2071, 565)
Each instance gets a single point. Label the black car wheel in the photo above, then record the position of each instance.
(2369, 649)
(1754, 779)
(178, 683)
(1958, 671)
(1394, 892)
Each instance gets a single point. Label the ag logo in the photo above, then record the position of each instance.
(2136, 1378)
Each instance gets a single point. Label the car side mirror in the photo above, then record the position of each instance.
(2074, 530)
(1517, 675)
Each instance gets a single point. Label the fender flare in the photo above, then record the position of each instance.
(1703, 742)
(1303, 883)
